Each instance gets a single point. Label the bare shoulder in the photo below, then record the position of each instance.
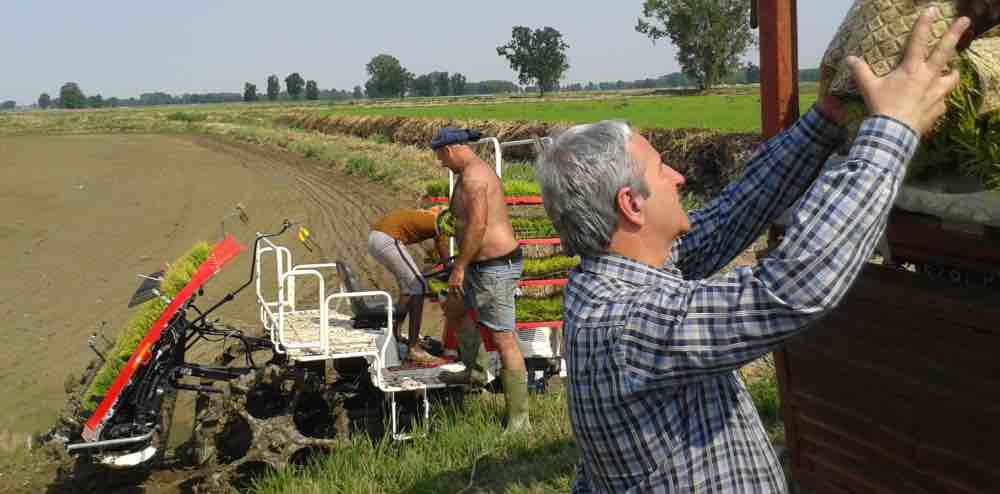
(477, 177)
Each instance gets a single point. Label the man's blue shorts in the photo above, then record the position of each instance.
(489, 290)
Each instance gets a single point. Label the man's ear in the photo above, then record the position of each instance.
(630, 206)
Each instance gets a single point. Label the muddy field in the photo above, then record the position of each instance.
(83, 215)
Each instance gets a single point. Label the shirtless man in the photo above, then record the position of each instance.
(487, 269)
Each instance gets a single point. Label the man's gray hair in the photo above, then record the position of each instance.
(580, 175)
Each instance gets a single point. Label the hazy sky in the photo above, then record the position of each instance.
(119, 48)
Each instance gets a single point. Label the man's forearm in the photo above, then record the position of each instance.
(773, 179)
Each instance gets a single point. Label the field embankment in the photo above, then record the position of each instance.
(726, 112)
(709, 159)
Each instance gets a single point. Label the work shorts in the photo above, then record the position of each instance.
(489, 290)
(390, 253)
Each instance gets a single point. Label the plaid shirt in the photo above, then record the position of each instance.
(654, 398)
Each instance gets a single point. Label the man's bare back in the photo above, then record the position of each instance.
(479, 182)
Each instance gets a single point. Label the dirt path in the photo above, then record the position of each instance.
(84, 214)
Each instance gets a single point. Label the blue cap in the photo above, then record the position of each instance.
(449, 135)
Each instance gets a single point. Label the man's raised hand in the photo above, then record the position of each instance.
(915, 91)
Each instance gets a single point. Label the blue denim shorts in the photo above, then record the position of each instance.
(489, 290)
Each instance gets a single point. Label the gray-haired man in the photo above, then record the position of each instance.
(651, 344)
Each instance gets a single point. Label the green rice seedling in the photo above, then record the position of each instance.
(539, 309)
(438, 287)
(135, 330)
(521, 188)
(541, 251)
(544, 291)
(519, 171)
(549, 267)
(963, 142)
(511, 188)
(533, 227)
(437, 188)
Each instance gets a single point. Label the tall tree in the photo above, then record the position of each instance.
(44, 101)
(458, 84)
(249, 92)
(538, 55)
(358, 92)
(312, 90)
(442, 83)
(710, 35)
(273, 87)
(71, 96)
(293, 84)
(388, 77)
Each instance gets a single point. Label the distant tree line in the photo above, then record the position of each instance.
(389, 79)
(748, 74)
(70, 96)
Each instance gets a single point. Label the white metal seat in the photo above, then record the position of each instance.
(302, 328)
(321, 331)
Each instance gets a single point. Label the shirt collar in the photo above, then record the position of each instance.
(628, 270)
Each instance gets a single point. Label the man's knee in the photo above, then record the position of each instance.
(505, 340)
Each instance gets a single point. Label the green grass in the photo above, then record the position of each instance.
(763, 388)
(393, 166)
(465, 449)
(135, 330)
(736, 113)
(186, 116)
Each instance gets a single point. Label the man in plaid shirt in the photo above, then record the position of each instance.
(652, 345)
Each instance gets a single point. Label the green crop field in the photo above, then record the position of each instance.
(730, 113)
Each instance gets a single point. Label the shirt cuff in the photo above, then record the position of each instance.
(822, 129)
(885, 141)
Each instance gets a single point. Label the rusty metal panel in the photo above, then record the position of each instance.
(898, 390)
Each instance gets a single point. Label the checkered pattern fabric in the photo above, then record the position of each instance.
(654, 398)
